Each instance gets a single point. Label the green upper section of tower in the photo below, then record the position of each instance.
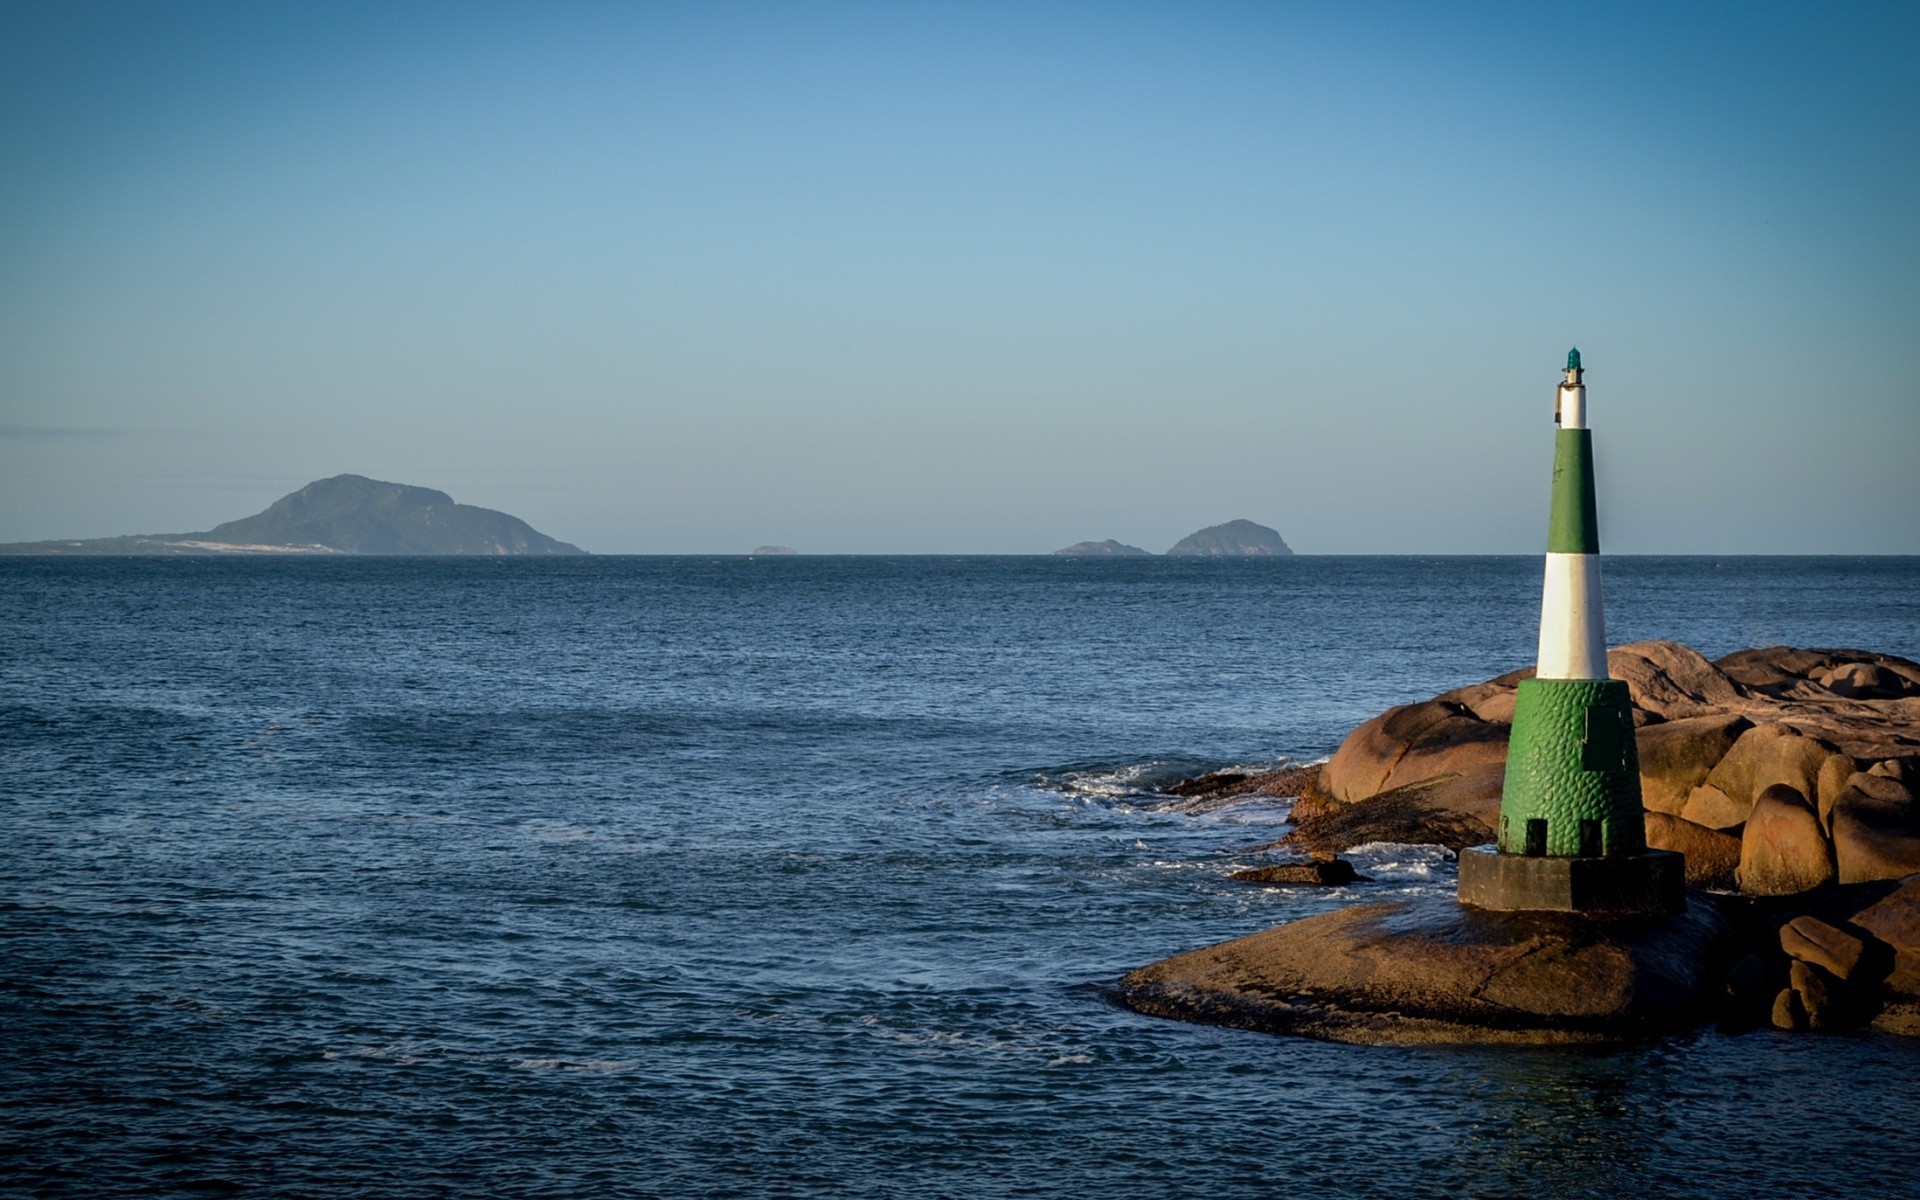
(1573, 527)
(1573, 359)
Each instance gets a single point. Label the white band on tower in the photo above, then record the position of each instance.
(1573, 623)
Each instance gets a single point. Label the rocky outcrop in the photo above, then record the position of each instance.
(1432, 971)
(1235, 539)
(1713, 739)
(1106, 549)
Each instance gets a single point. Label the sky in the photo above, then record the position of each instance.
(967, 278)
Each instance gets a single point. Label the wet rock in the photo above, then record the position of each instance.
(1675, 756)
(1285, 783)
(1811, 940)
(1320, 871)
(1455, 811)
(1431, 971)
(1782, 849)
(1713, 857)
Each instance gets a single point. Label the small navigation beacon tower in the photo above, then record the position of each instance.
(1572, 836)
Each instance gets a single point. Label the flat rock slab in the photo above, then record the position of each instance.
(1434, 972)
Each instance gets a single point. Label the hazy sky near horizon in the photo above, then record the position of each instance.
(967, 278)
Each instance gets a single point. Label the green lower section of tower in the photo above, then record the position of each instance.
(1573, 772)
(1573, 526)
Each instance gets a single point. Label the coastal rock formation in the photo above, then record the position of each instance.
(1787, 777)
(1106, 549)
(1838, 768)
(1432, 971)
(1238, 539)
(347, 514)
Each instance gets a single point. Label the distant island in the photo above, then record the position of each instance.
(1106, 549)
(347, 514)
(1234, 539)
(772, 551)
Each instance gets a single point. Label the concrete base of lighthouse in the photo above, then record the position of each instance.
(1651, 883)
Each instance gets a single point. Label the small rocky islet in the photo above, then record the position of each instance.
(1790, 779)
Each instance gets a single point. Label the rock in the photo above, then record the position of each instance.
(1287, 782)
(1455, 811)
(1410, 744)
(1713, 857)
(1306, 872)
(1812, 940)
(1675, 756)
(1894, 920)
(1782, 849)
(1875, 831)
(1771, 670)
(1819, 999)
(1710, 807)
(1765, 755)
(1835, 774)
(773, 552)
(1862, 681)
(1787, 1011)
(1670, 680)
(1432, 971)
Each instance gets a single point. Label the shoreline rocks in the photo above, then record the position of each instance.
(1789, 778)
(1433, 972)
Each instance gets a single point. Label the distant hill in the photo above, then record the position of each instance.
(772, 551)
(1235, 538)
(1106, 549)
(347, 514)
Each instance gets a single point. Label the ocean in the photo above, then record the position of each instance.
(793, 877)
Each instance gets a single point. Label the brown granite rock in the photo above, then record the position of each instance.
(1713, 857)
(1676, 756)
(1788, 1014)
(1863, 681)
(1670, 680)
(1766, 755)
(1812, 940)
(1820, 1000)
(1893, 921)
(1876, 830)
(1710, 807)
(1432, 971)
(1782, 849)
(1413, 744)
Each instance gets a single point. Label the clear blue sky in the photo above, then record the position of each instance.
(967, 278)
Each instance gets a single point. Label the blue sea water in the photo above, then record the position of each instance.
(792, 877)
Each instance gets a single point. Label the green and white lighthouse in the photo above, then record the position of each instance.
(1572, 833)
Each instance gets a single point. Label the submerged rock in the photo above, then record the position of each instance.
(1319, 871)
(1433, 971)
